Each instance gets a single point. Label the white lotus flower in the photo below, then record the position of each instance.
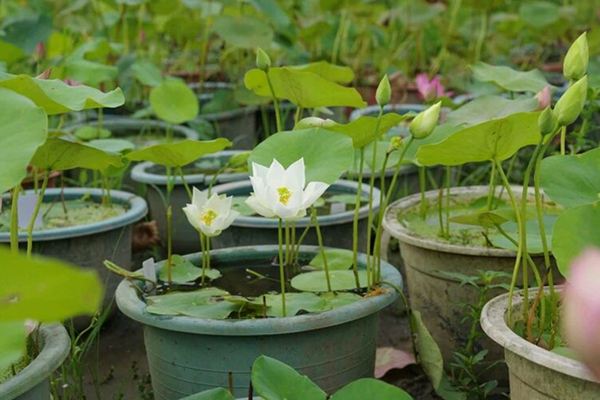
(210, 215)
(283, 193)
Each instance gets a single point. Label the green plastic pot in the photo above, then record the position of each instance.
(535, 373)
(89, 245)
(337, 229)
(185, 239)
(188, 355)
(425, 263)
(33, 381)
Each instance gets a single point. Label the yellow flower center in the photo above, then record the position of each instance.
(208, 217)
(284, 195)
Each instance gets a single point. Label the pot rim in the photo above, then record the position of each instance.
(493, 323)
(139, 173)
(392, 225)
(57, 345)
(324, 220)
(136, 211)
(131, 305)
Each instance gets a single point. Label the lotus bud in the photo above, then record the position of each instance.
(314, 122)
(581, 309)
(544, 97)
(570, 104)
(547, 122)
(383, 94)
(576, 61)
(425, 122)
(262, 60)
(395, 144)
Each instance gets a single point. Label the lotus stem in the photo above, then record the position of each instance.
(321, 247)
(281, 266)
(36, 211)
(14, 220)
(355, 219)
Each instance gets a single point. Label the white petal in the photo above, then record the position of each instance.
(295, 174)
(199, 197)
(313, 191)
(276, 175)
(255, 204)
(192, 214)
(286, 213)
(259, 171)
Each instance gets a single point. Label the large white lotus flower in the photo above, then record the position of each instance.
(210, 215)
(280, 192)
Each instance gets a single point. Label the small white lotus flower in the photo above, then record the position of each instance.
(211, 215)
(283, 193)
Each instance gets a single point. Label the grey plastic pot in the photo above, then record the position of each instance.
(535, 373)
(439, 298)
(89, 245)
(185, 238)
(335, 228)
(33, 381)
(188, 355)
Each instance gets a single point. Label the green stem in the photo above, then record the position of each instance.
(298, 115)
(36, 211)
(563, 140)
(313, 216)
(275, 103)
(169, 243)
(440, 211)
(492, 188)
(188, 190)
(396, 173)
(422, 189)
(203, 251)
(14, 220)
(447, 206)
(371, 187)
(355, 218)
(281, 266)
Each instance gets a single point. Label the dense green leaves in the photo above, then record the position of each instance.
(314, 145)
(275, 380)
(174, 102)
(179, 153)
(303, 88)
(243, 31)
(497, 139)
(60, 155)
(510, 79)
(23, 128)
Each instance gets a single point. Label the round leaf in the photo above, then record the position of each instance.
(243, 31)
(173, 101)
(369, 388)
(316, 281)
(179, 153)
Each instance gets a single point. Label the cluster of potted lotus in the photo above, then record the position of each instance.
(277, 251)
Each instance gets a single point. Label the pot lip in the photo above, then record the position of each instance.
(131, 305)
(139, 173)
(374, 109)
(400, 232)
(137, 210)
(493, 323)
(324, 220)
(57, 345)
(128, 122)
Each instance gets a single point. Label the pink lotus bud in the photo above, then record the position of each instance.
(430, 89)
(581, 309)
(544, 97)
(40, 50)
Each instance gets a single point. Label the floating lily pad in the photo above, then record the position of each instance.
(295, 302)
(336, 300)
(203, 303)
(315, 281)
(337, 259)
(183, 271)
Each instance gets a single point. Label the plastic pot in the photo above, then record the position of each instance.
(535, 373)
(89, 245)
(33, 381)
(438, 297)
(185, 239)
(188, 355)
(335, 228)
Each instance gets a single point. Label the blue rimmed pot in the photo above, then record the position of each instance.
(337, 229)
(188, 355)
(33, 381)
(89, 245)
(152, 176)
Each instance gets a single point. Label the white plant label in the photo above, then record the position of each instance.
(149, 269)
(26, 205)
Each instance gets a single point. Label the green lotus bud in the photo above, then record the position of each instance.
(395, 144)
(547, 122)
(262, 60)
(576, 61)
(570, 104)
(383, 93)
(314, 122)
(425, 122)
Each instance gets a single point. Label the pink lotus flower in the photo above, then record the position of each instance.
(544, 97)
(430, 89)
(581, 309)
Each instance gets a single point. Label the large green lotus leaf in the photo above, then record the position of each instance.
(202, 303)
(440, 133)
(370, 388)
(27, 30)
(362, 130)
(147, 73)
(61, 155)
(211, 394)
(327, 155)
(336, 259)
(178, 154)
(23, 128)
(115, 146)
(497, 139)
(9, 53)
(331, 72)
(56, 97)
(316, 281)
(173, 101)
(510, 79)
(274, 380)
(489, 107)
(243, 31)
(575, 230)
(12, 343)
(184, 271)
(572, 180)
(305, 89)
(45, 290)
(277, 16)
(90, 72)
(539, 14)
(294, 303)
(534, 239)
